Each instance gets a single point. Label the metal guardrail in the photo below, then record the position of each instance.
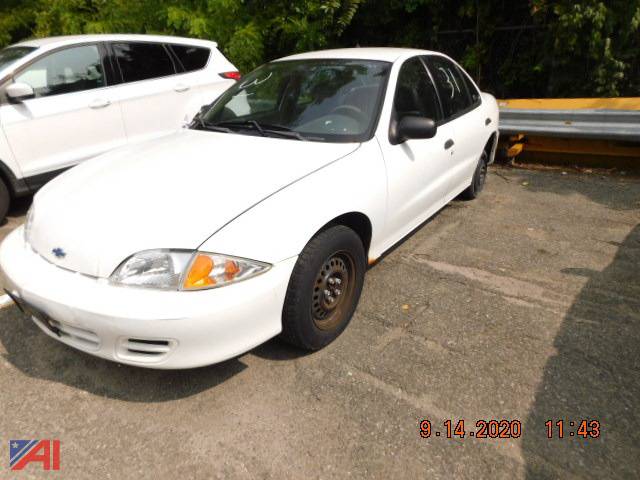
(594, 124)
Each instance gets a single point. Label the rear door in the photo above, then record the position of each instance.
(73, 116)
(417, 170)
(463, 115)
(200, 67)
(152, 94)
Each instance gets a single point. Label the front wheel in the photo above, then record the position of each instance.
(478, 180)
(324, 288)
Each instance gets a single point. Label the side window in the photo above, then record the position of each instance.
(191, 58)
(65, 71)
(471, 87)
(415, 93)
(142, 61)
(450, 84)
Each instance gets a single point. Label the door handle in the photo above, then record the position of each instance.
(99, 103)
(181, 87)
(448, 144)
(487, 121)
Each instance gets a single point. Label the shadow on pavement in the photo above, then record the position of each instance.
(594, 375)
(41, 357)
(276, 349)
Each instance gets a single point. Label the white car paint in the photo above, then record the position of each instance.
(245, 196)
(72, 127)
(144, 203)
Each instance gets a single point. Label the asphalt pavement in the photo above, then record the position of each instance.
(523, 306)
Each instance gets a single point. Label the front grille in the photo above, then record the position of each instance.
(143, 349)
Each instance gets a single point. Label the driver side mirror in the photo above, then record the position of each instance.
(18, 92)
(411, 127)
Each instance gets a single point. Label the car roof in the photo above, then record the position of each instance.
(53, 42)
(387, 54)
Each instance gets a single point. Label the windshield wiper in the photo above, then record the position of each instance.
(241, 124)
(200, 123)
(286, 133)
(264, 128)
(213, 128)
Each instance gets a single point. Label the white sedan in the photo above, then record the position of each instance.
(259, 219)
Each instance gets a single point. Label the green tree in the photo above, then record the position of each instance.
(521, 48)
(594, 42)
(249, 32)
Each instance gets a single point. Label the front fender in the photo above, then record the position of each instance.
(9, 168)
(280, 226)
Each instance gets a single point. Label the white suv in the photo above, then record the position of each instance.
(66, 99)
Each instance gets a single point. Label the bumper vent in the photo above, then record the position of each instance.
(144, 350)
(79, 337)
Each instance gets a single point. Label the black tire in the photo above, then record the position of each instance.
(333, 261)
(478, 180)
(5, 200)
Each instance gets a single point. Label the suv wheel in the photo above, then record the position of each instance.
(5, 200)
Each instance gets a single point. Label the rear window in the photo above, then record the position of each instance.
(448, 79)
(191, 58)
(471, 88)
(142, 61)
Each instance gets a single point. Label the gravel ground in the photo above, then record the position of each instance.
(523, 305)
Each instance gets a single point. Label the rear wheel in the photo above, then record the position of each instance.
(478, 180)
(5, 200)
(324, 288)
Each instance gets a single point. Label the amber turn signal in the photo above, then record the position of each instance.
(231, 269)
(198, 275)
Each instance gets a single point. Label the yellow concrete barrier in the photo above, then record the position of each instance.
(623, 103)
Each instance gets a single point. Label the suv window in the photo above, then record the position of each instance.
(450, 84)
(10, 55)
(142, 61)
(415, 93)
(191, 58)
(65, 71)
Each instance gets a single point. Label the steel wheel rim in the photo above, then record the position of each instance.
(333, 290)
(482, 176)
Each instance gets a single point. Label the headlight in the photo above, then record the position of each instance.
(184, 270)
(28, 223)
(153, 269)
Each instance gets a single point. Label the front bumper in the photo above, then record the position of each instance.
(143, 327)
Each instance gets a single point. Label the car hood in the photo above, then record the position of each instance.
(172, 192)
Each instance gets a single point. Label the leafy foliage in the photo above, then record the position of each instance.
(517, 48)
(594, 40)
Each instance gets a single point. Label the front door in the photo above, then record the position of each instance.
(417, 170)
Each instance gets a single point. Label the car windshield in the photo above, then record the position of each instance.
(318, 100)
(12, 54)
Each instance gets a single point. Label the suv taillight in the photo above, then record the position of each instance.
(231, 75)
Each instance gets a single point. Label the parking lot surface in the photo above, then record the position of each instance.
(523, 305)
